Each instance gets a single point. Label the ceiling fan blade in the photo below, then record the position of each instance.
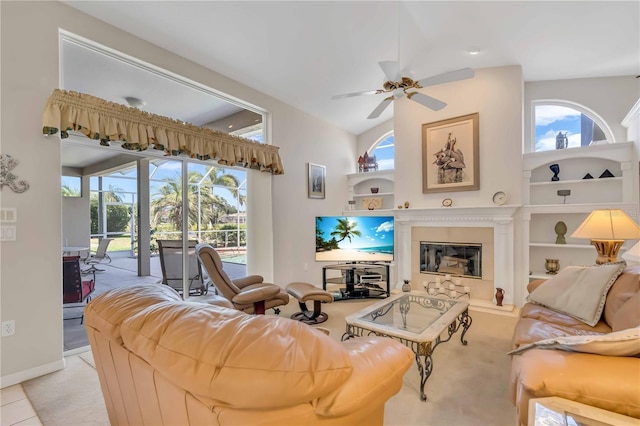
(350, 95)
(426, 100)
(381, 107)
(447, 77)
(391, 70)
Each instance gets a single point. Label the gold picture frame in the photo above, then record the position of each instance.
(450, 155)
(316, 181)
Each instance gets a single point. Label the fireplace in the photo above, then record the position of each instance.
(461, 260)
(490, 227)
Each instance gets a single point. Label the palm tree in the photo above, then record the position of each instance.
(167, 202)
(67, 191)
(166, 205)
(226, 180)
(345, 230)
(219, 205)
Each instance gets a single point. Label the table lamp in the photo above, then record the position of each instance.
(608, 229)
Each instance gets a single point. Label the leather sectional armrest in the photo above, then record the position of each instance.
(607, 382)
(379, 364)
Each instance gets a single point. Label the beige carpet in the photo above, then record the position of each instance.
(468, 385)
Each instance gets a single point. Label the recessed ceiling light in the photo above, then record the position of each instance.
(473, 51)
(230, 126)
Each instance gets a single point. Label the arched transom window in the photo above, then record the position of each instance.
(564, 124)
(383, 149)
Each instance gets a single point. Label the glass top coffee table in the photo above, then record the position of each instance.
(415, 319)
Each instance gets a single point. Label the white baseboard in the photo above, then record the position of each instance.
(77, 351)
(32, 373)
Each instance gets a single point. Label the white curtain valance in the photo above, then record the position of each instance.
(138, 130)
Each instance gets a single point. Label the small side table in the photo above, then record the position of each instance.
(554, 411)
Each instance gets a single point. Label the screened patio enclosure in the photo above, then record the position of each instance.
(139, 202)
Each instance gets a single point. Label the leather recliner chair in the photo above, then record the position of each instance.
(249, 294)
(165, 361)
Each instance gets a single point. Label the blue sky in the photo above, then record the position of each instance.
(376, 231)
(551, 119)
(384, 153)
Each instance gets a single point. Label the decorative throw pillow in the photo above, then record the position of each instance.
(578, 291)
(618, 343)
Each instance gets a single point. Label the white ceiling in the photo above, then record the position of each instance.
(303, 52)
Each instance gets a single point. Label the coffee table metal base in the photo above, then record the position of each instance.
(423, 350)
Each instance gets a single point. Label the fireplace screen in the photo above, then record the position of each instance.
(459, 259)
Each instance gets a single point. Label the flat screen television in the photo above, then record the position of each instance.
(354, 238)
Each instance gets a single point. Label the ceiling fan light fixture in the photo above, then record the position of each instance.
(135, 102)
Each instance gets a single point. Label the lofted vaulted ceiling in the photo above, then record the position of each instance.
(303, 52)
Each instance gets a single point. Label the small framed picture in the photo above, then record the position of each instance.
(316, 183)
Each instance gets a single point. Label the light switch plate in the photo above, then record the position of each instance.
(8, 215)
(7, 233)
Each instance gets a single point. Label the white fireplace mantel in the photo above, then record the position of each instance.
(456, 215)
(500, 218)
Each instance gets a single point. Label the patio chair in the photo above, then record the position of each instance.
(171, 265)
(248, 294)
(75, 292)
(100, 256)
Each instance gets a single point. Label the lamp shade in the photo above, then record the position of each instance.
(609, 224)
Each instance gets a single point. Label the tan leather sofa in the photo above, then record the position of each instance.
(608, 382)
(164, 361)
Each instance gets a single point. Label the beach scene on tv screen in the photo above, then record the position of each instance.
(354, 238)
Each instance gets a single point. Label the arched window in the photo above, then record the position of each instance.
(383, 149)
(564, 124)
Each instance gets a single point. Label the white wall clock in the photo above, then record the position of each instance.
(499, 198)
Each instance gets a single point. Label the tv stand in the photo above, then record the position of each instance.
(361, 280)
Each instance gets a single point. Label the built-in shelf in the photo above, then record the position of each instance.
(562, 246)
(539, 275)
(379, 194)
(376, 212)
(578, 208)
(544, 209)
(360, 185)
(578, 181)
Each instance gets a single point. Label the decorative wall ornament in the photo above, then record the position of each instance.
(8, 163)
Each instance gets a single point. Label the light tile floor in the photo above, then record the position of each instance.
(16, 408)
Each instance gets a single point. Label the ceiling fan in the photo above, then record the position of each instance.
(399, 85)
